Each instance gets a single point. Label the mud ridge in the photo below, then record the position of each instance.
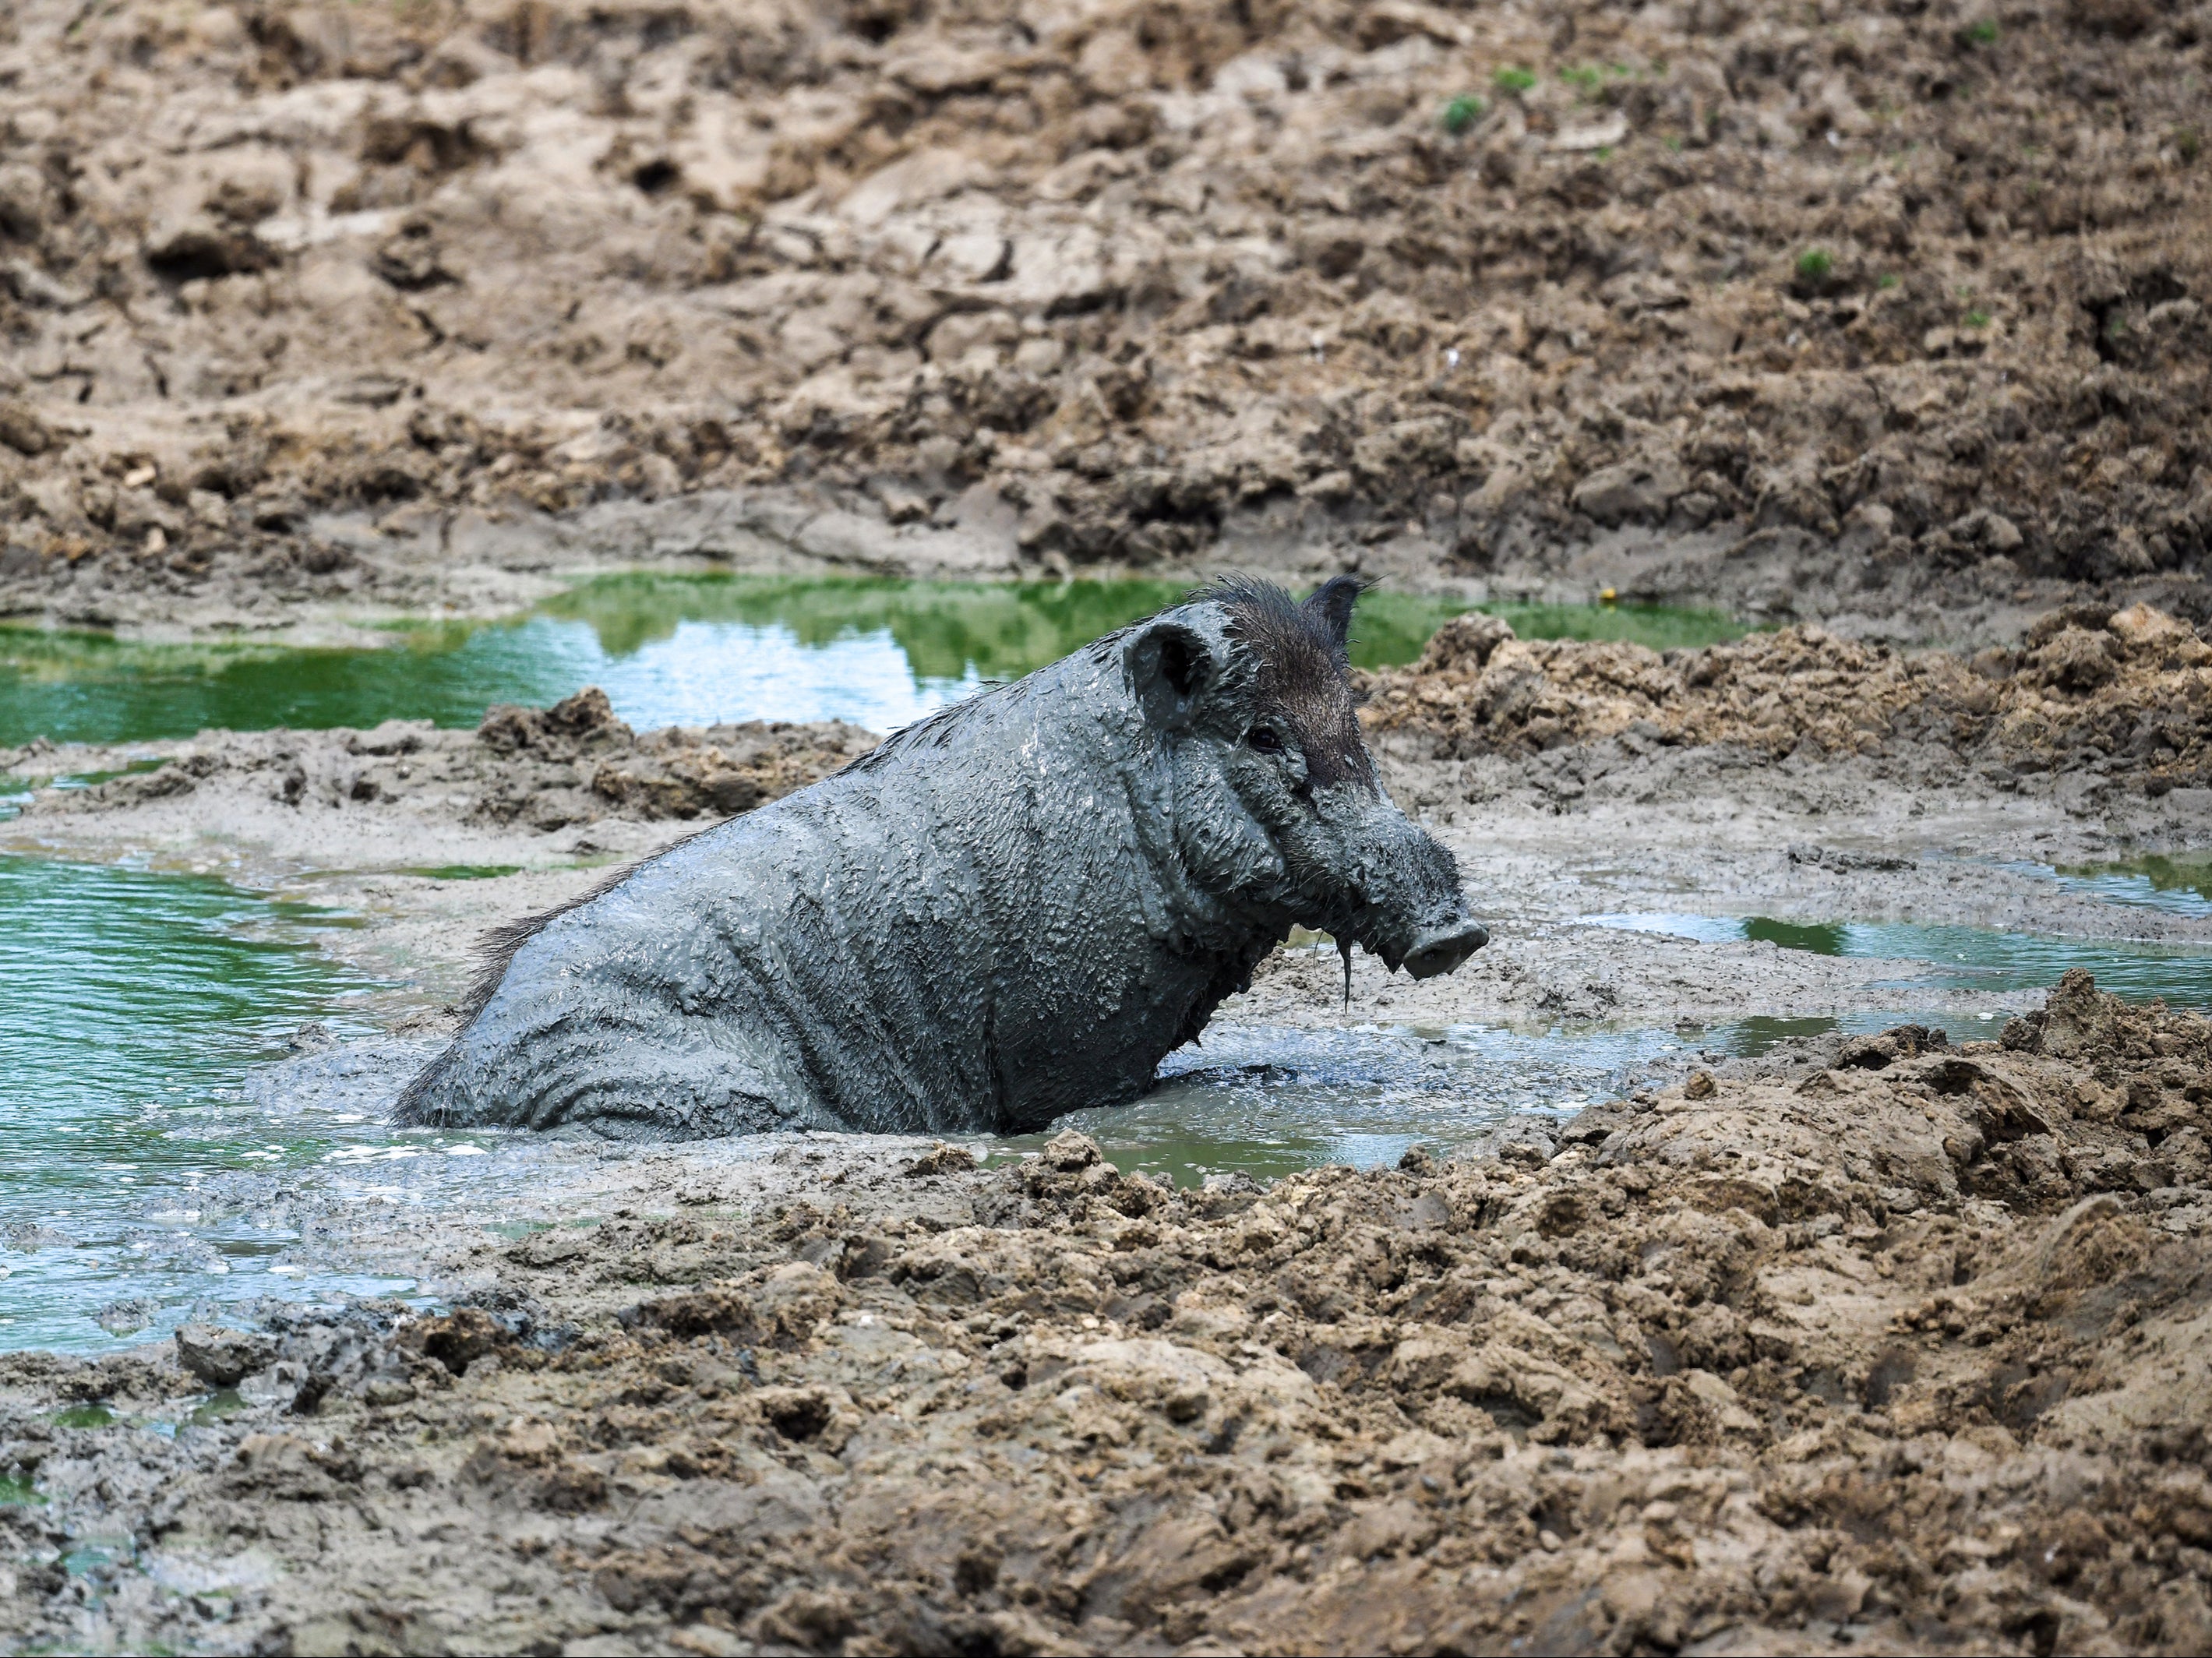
(2092, 707)
(525, 774)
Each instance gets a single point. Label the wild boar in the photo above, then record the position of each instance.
(1010, 910)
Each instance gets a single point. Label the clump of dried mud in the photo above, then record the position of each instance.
(527, 768)
(1905, 1352)
(1890, 314)
(2097, 699)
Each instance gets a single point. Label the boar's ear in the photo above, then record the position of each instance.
(1169, 667)
(1331, 606)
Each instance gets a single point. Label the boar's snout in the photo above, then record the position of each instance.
(1440, 949)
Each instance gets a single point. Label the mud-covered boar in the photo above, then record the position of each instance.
(1011, 910)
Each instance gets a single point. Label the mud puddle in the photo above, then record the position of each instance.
(677, 650)
(200, 1101)
(2178, 883)
(1953, 958)
(136, 1005)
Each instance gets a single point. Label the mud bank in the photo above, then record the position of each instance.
(1894, 320)
(2094, 705)
(528, 787)
(1905, 1351)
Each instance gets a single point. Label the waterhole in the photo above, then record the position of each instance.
(200, 1113)
(135, 1006)
(199, 1100)
(678, 650)
(200, 1117)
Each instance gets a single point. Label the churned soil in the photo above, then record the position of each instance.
(1891, 317)
(409, 793)
(1902, 1349)
(2092, 707)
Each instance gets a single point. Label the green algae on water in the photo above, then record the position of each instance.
(684, 649)
(217, 1408)
(2180, 873)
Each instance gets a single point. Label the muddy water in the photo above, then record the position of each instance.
(1959, 957)
(197, 1117)
(2179, 886)
(136, 1005)
(198, 1111)
(674, 650)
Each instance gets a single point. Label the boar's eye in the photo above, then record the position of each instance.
(1260, 738)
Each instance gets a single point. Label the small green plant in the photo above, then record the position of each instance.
(1605, 152)
(1982, 34)
(1462, 112)
(1886, 282)
(1815, 263)
(1586, 77)
(1674, 141)
(2186, 143)
(1978, 318)
(1513, 81)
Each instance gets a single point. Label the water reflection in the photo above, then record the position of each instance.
(689, 650)
(135, 1003)
(2178, 884)
(1959, 957)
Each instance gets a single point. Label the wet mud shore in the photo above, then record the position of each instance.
(1873, 1343)
(1906, 1350)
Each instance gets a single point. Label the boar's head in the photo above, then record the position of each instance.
(1278, 814)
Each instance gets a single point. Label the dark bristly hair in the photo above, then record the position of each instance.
(1303, 654)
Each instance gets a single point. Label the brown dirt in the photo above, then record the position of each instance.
(1888, 317)
(542, 770)
(2099, 699)
(1903, 1352)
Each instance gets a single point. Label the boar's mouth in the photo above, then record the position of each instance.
(1424, 952)
(1436, 945)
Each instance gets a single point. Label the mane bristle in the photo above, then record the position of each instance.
(1294, 641)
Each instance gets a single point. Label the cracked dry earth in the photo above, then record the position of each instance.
(1906, 1350)
(1891, 316)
